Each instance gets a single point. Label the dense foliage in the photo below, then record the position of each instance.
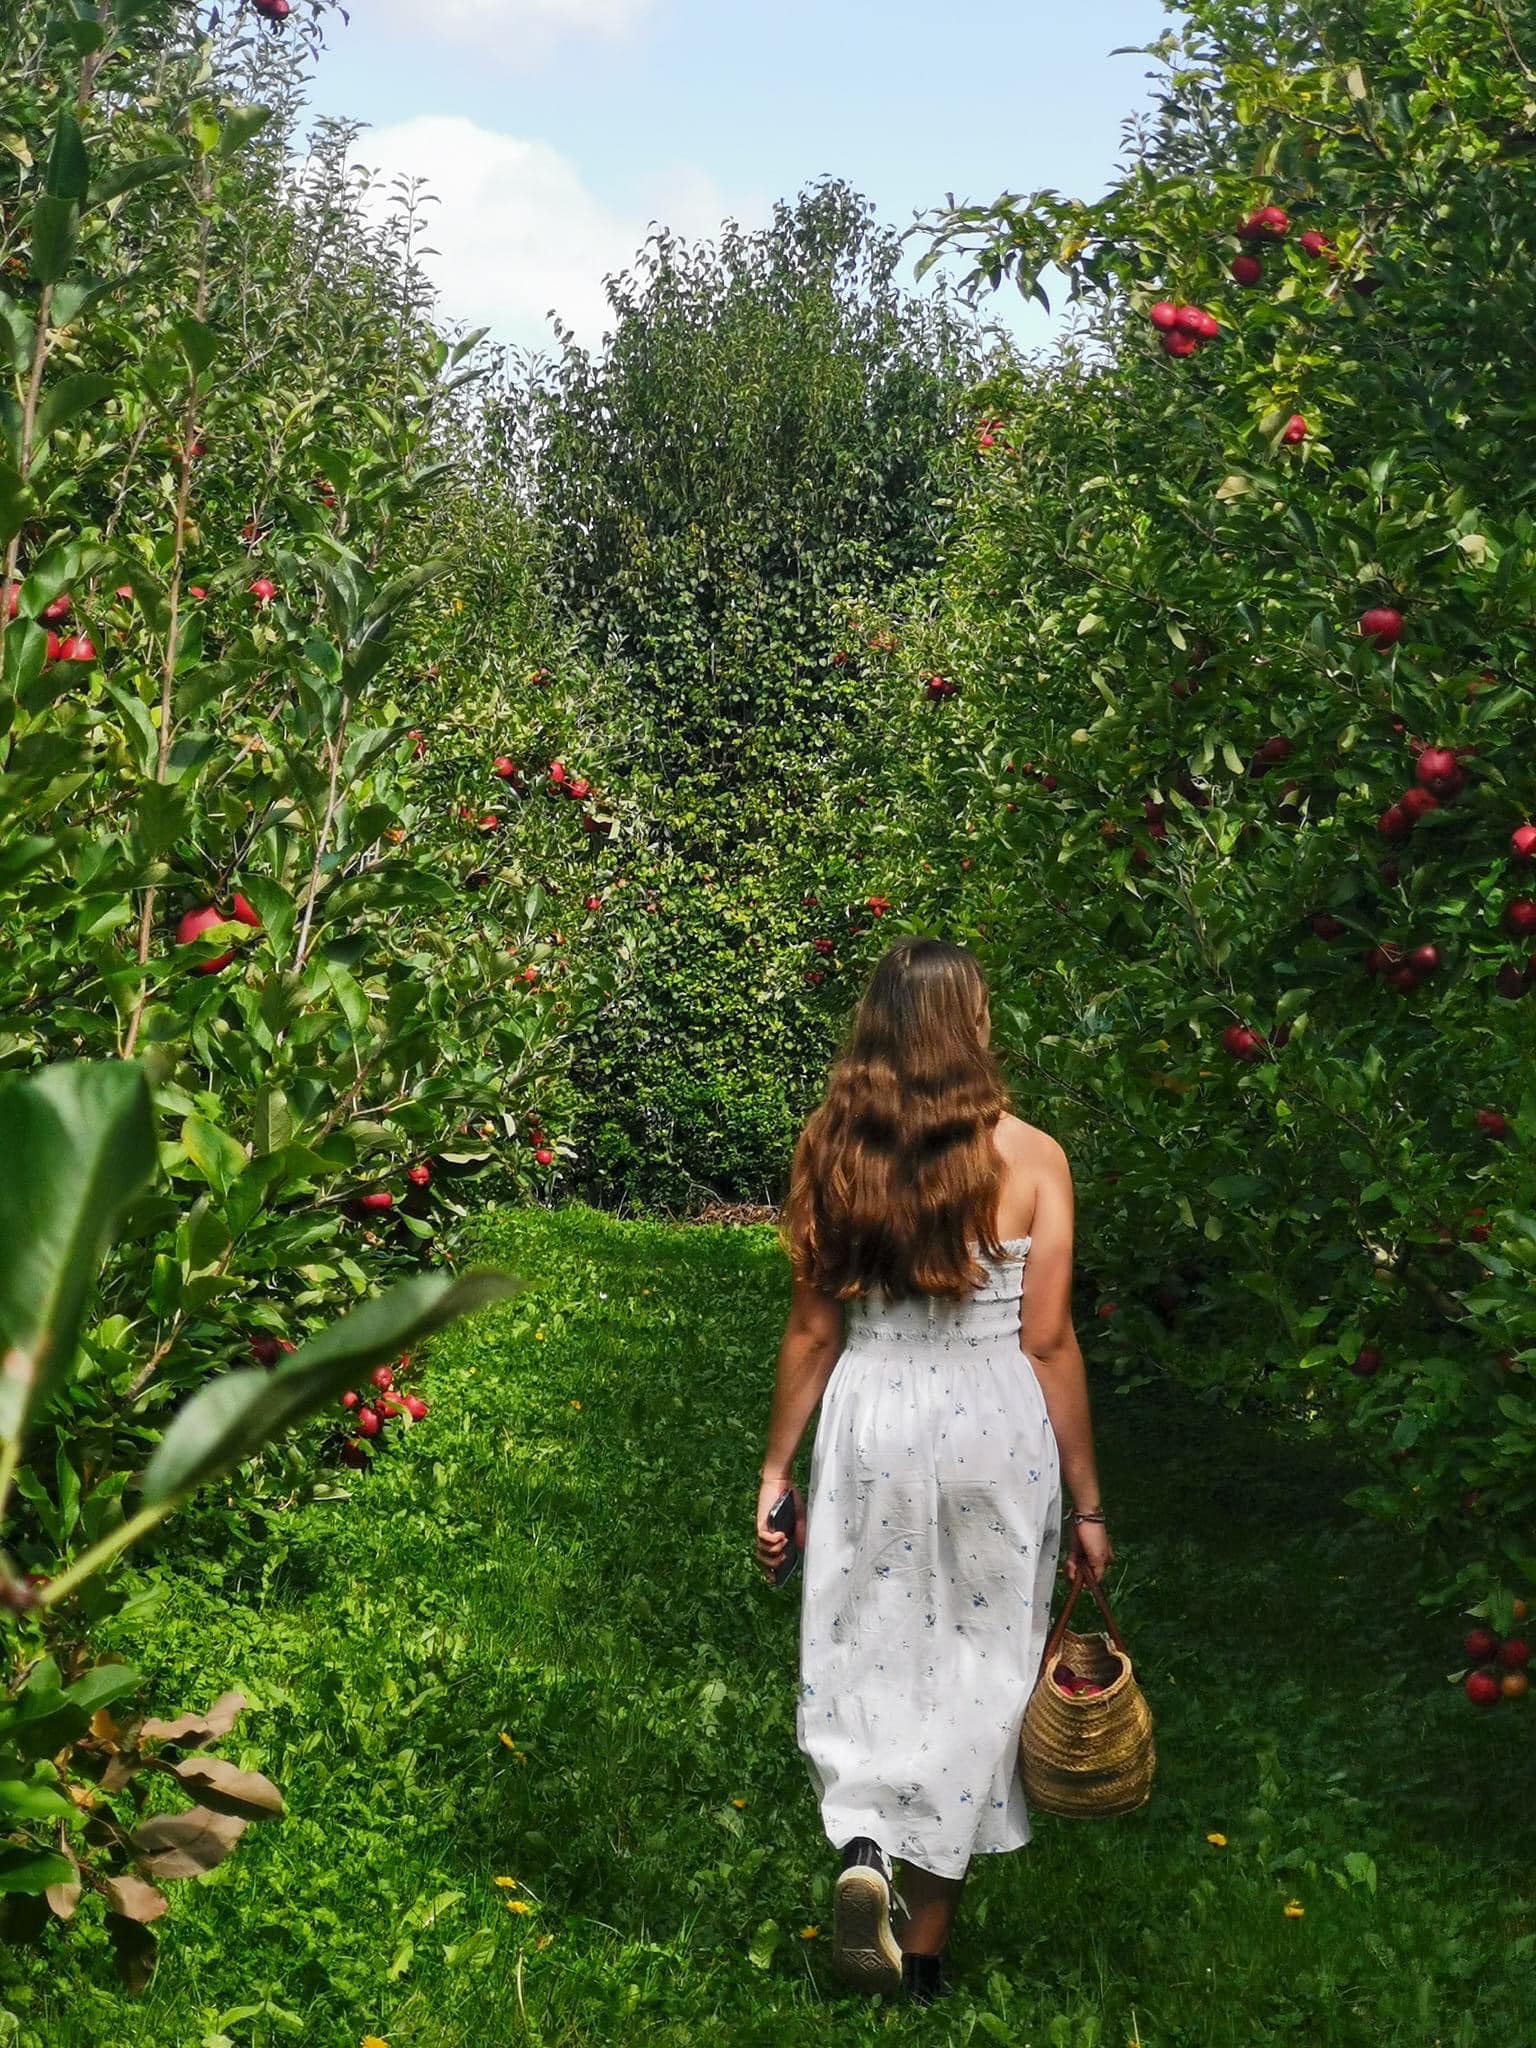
(226, 847)
(762, 450)
(1243, 602)
(428, 775)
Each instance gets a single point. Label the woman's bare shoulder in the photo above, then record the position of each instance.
(1027, 1146)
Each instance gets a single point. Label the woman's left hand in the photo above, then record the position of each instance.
(771, 1542)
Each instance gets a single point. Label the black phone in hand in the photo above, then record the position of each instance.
(781, 1518)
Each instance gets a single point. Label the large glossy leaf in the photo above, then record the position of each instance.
(233, 1417)
(66, 399)
(33, 1870)
(87, 1136)
(45, 1715)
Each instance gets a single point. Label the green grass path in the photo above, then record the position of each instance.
(576, 1581)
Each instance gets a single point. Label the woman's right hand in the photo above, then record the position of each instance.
(1090, 1553)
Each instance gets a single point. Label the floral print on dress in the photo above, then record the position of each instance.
(933, 1527)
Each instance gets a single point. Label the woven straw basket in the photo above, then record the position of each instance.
(1087, 1758)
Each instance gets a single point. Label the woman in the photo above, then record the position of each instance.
(954, 1405)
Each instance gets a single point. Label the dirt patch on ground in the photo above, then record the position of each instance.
(735, 1212)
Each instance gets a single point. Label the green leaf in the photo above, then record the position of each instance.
(54, 226)
(87, 1135)
(17, 323)
(764, 1942)
(231, 1418)
(273, 1120)
(23, 1799)
(17, 503)
(46, 1718)
(215, 1154)
(63, 401)
(69, 168)
(128, 177)
(199, 342)
(241, 125)
(1361, 1868)
(33, 1870)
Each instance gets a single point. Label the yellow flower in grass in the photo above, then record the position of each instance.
(738, 1804)
(1294, 1909)
(373, 2041)
(1220, 1841)
(809, 1933)
(575, 1404)
(517, 1905)
(507, 1884)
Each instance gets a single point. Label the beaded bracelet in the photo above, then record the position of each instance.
(1086, 1515)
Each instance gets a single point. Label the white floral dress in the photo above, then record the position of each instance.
(933, 1527)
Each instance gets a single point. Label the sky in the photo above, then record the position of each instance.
(555, 131)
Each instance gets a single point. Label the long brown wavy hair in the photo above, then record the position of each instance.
(894, 1180)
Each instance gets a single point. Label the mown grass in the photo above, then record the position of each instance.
(576, 1581)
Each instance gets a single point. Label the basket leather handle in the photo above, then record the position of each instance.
(1053, 1640)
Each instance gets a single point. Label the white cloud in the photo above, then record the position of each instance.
(517, 231)
(513, 28)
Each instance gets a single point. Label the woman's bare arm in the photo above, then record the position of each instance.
(1046, 1335)
(810, 1347)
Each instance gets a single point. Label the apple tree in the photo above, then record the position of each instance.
(1241, 604)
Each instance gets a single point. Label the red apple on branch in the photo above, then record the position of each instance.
(1522, 842)
(1295, 430)
(1382, 626)
(193, 925)
(1247, 270)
